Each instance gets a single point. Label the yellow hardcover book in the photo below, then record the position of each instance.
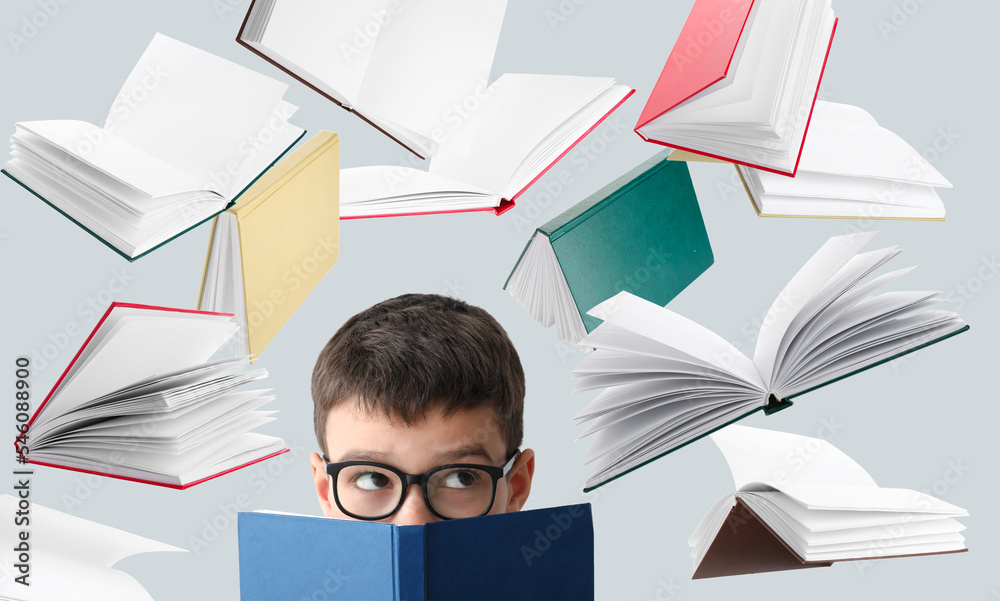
(270, 250)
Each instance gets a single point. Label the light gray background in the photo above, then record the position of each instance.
(906, 422)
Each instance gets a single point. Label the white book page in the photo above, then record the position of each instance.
(112, 156)
(137, 344)
(817, 271)
(666, 327)
(845, 140)
(777, 459)
(194, 110)
(332, 40)
(430, 56)
(757, 77)
(519, 112)
(72, 557)
(830, 497)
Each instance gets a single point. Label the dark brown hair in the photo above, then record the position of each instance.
(415, 352)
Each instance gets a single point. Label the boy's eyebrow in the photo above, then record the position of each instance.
(362, 455)
(475, 450)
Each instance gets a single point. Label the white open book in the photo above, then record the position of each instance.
(70, 557)
(743, 93)
(187, 133)
(142, 401)
(522, 127)
(818, 509)
(411, 69)
(668, 381)
(850, 167)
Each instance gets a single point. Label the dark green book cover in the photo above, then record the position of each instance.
(642, 233)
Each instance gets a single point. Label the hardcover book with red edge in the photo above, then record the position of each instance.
(741, 81)
(523, 125)
(143, 400)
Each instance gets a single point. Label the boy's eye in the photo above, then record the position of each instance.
(460, 479)
(371, 481)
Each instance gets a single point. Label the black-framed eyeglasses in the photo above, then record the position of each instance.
(374, 491)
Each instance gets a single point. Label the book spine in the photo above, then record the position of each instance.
(410, 568)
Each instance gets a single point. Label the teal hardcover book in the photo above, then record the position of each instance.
(643, 233)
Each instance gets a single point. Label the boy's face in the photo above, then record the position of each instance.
(467, 436)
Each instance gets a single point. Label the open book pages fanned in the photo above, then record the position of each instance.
(410, 69)
(186, 134)
(850, 168)
(144, 400)
(269, 252)
(741, 81)
(642, 233)
(825, 509)
(666, 381)
(70, 557)
(522, 126)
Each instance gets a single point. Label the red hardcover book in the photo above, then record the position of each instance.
(503, 148)
(142, 400)
(700, 104)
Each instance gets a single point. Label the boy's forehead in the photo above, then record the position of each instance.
(467, 435)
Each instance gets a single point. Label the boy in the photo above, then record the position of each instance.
(418, 409)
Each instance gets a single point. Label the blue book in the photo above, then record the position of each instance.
(539, 554)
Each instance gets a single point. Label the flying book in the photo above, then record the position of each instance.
(741, 81)
(68, 557)
(528, 555)
(413, 71)
(668, 381)
(850, 168)
(829, 510)
(142, 401)
(642, 233)
(269, 251)
(523, 126)
(187, 133)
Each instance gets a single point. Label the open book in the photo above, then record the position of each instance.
(741, 81)
(269, 251)
(502, 557)
(525, 124)
(642, 233)
(824, 509)
(412, 70)
(186, 134)
(70, 557)
(142, 401)
(668, 381)
(851, 168)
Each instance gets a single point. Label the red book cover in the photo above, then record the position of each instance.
(18, 441)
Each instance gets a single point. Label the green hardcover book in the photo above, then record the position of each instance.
(667, 382)
(643, 233)
(173, 152)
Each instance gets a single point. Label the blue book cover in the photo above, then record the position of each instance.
(528, 555)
